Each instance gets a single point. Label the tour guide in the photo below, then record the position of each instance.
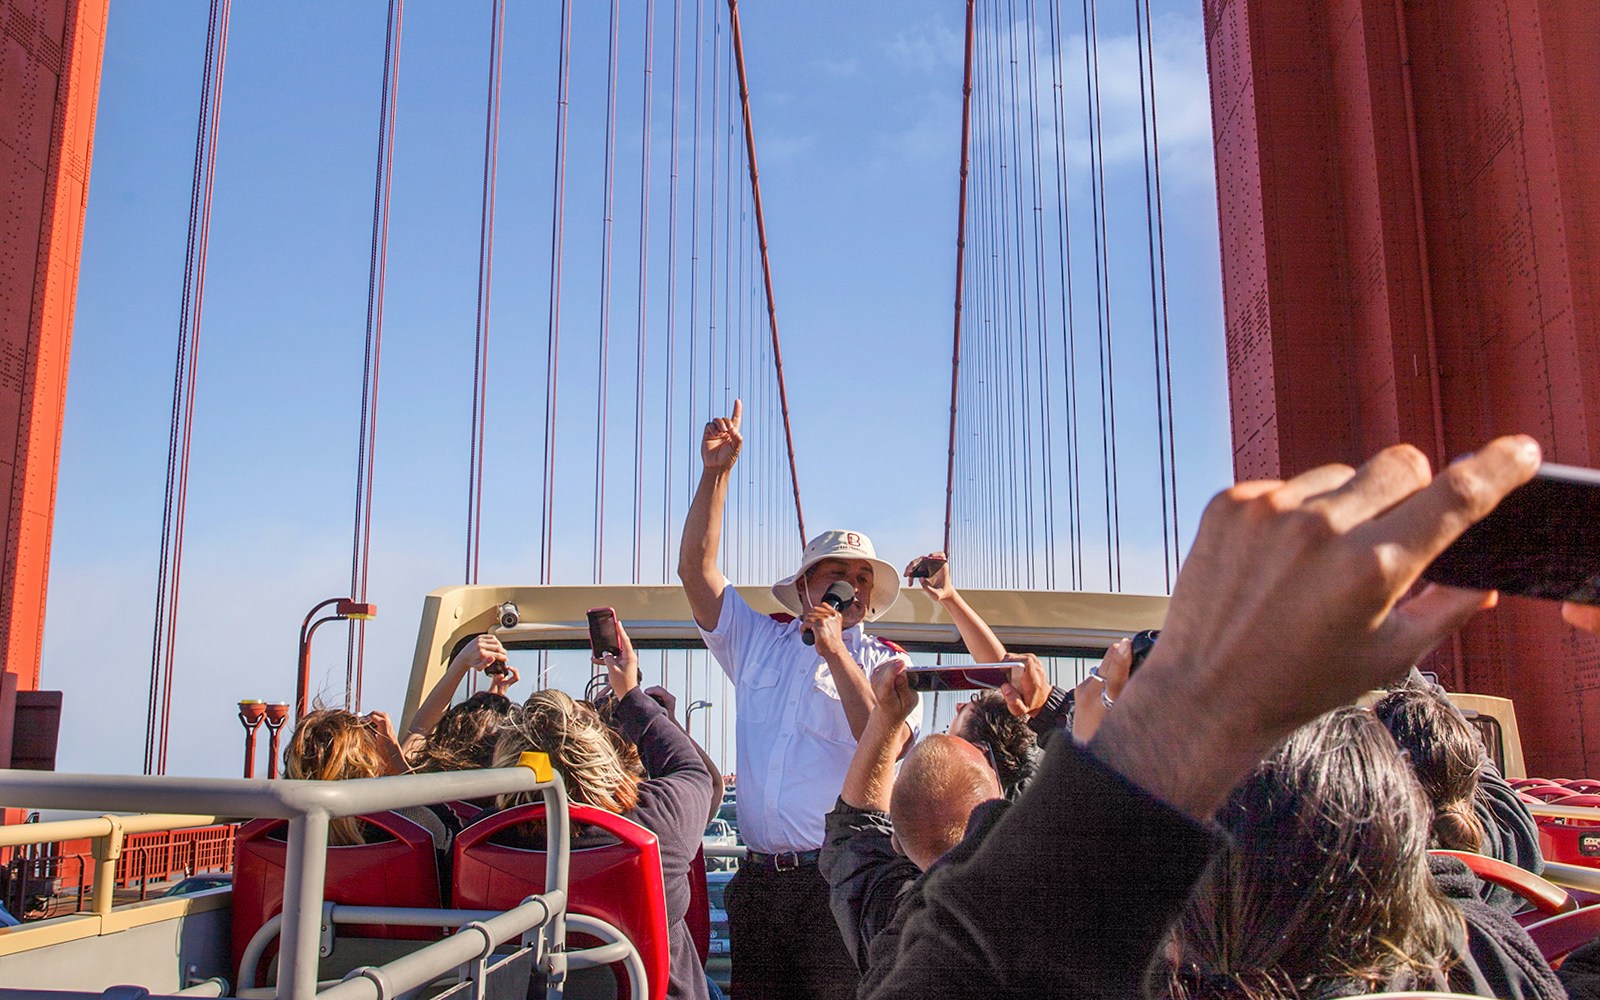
(800, 709)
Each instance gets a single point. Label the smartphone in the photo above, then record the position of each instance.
(925, 567)
(1142, 643)
(1542, 541)
(973, 677)
(603, 632)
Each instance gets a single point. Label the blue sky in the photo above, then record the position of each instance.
(856, 110)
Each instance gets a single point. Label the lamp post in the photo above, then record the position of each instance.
(344, 608)
(277, 715)
(252, 712)
(688, 715)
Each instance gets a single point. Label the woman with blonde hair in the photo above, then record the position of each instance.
(671, 800)
(332, 744)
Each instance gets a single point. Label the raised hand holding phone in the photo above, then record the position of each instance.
(622, 666)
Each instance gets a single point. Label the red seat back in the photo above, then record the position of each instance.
(403, 871)
(1546, 896)
(1586, 786)
(619, 883)
(1569, 843)
(1561, 935)
(698, 916)
(1547, 793)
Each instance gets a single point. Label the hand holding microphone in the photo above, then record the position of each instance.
(838, 597)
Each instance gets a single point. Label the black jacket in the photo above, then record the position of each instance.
(1502, 961)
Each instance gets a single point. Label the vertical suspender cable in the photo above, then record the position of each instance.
(1108, 405)
(961, 260)
(766, 263)
(714, 130)
(361, 545)
(558, 213)
(1041, 306)
(1069, 335)
(644, 292)
(1022, 326)
(1161, 255)
(480, 346)
(1169, 527)
(605, 301)
(668, 434)
(694, 240)
(170, 568)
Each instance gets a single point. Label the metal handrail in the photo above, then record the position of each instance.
(29, 834)
(308, 806)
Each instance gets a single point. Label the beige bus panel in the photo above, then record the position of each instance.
(1066, 622)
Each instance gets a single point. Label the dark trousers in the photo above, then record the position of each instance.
(784, 940)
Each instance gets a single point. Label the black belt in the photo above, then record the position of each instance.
(786, 861)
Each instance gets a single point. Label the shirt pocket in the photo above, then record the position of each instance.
(823, 713)
(758, 693)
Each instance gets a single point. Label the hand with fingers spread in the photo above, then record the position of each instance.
(1029, 687)
(1290, 605)
(719, 447)
(1095, 695)
(622, 669)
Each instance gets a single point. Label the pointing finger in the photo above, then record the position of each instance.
(738, 411)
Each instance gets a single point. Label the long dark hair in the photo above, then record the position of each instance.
(1446, 756)
(464, 737)
(1325, 890)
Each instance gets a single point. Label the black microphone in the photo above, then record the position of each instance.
(836, 597)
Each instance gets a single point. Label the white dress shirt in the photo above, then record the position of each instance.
(794, 742)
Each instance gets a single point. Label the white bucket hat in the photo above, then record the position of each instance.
(842, 545)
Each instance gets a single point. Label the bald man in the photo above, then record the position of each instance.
(885, 832)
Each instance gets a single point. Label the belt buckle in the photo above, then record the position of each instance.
(786, 861)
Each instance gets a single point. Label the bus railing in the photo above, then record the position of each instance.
(308, 806)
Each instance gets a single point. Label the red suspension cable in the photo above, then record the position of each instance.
(644, 292)
(480, 353)
(170, 570)
(766, 264)
(961, 262)
(558, 212)
(600, 417)
(361, 544)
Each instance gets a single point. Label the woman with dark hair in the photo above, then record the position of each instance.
(464, 737)
(1445, 755)
(671, 799)
(1326, 889)
(1474, 809)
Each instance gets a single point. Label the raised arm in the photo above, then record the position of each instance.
(1288, 606)
(703, 582)
(870, 779)
(481, 653)
(976, 635)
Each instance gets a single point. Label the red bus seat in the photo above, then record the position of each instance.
(1586, 786)
(698, 916)
(1569, 843)
(619, 883)
(1548, 793)
(1564, 933)
(1546, 896)
(1525, 782)
(403, 871)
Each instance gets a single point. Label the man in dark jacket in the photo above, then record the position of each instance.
(1288, 606)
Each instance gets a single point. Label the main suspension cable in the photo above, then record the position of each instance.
(766, 263)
